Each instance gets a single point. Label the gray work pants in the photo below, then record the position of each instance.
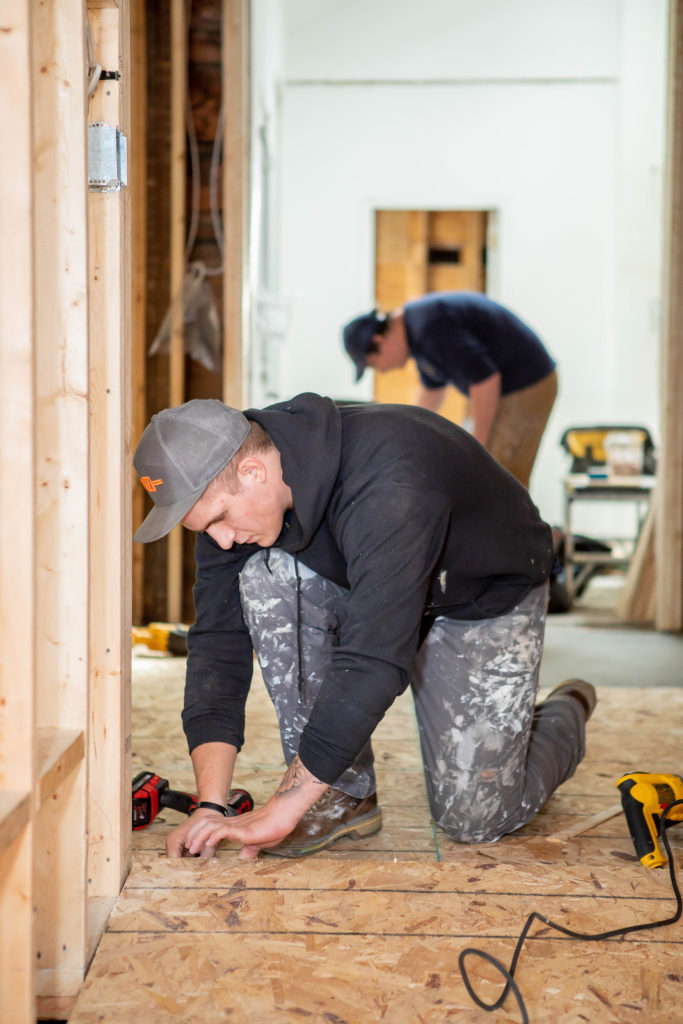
(492, 758)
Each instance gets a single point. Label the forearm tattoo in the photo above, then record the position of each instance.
(295, 777)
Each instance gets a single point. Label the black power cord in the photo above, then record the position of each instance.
(509, 973)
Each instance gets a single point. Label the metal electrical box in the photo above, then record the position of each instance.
(107, 158)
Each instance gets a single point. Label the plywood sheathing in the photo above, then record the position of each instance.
(372, 929)
(369, 940)
(389, 979)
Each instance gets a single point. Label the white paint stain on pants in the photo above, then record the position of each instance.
(491, 757)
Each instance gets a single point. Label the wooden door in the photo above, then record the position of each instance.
(420, 251)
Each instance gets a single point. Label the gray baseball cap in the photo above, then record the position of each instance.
(180, 452)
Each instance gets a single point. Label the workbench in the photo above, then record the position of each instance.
(586, 487)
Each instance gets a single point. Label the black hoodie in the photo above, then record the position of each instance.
(407, 512)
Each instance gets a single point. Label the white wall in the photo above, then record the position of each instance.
(549, 112)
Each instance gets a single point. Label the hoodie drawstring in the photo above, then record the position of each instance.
(299, 651)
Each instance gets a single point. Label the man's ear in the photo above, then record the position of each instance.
(252, 470)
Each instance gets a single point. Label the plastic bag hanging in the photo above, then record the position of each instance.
(201, 326)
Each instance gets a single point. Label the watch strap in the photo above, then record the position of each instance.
(214, 807)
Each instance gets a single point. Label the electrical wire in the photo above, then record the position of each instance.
(196, 271)
(508, 973)
(216, 221)
(216, 153)
(94, 69)
(194, 156)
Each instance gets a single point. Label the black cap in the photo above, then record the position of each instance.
(358, 334)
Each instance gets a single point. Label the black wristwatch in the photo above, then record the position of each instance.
(215, 807)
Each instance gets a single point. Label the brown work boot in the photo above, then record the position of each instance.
(334, 815)
(578, 690)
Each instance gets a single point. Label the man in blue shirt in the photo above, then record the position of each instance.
(482, 349)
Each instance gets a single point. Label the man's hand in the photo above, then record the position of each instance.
(178, 841)
(213, 766)
(263, 827)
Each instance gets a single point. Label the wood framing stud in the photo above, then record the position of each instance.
(669, 523)
(235, 195)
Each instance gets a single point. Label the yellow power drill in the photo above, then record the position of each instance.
(644, 797)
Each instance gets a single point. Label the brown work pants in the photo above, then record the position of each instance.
(519, 424)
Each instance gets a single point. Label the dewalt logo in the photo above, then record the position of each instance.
(149, 484)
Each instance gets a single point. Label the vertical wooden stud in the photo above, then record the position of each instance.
(137, 179)
(178, 197)
(235, 62)
(178, 219)
(61, 440)
(669, 519)
(17, 586)
(61, 414)
(110, 492)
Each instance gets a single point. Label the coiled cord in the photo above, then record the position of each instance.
(509, 972)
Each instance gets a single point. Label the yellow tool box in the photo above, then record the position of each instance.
(169, 637)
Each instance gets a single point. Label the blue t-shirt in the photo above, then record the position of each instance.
(461, 338)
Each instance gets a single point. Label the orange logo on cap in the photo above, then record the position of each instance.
(150, 485)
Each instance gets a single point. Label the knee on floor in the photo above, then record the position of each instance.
(470, 833)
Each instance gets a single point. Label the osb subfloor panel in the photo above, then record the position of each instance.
(372, 930)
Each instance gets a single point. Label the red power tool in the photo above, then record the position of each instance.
(151, 793)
